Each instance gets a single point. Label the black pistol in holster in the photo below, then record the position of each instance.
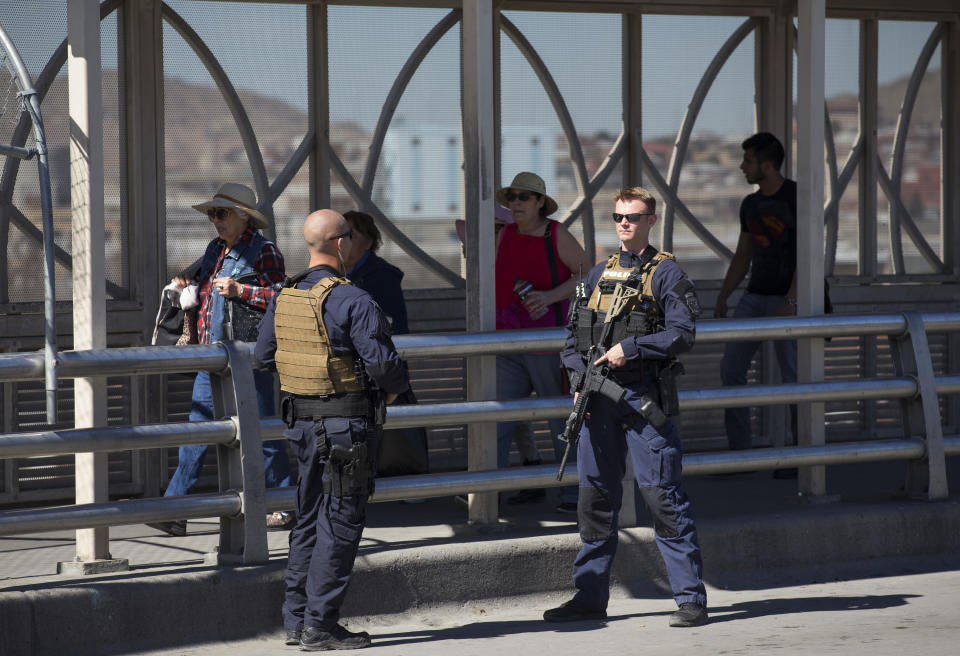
(658, 414)
(348, 471)
(667, 384)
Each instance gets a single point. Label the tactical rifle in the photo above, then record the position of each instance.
(595, 379)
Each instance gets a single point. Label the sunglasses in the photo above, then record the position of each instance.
(348, 233)
(523, 196)
(636, 217)
(217, 213)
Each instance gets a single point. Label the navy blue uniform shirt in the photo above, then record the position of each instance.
(356, 327)
(669, 286)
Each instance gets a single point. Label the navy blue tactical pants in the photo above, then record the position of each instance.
(604, 445)
(324, 541)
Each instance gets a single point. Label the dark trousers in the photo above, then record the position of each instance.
(737, 357)
(601, 463)
(324, 541)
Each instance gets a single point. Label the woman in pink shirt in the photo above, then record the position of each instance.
(535, 260)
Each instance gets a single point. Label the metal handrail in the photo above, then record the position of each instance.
(136, 511)
(709, 331)
(117, 438)
(119, 513)
(230, 503)
(122, 438)
(142, 360)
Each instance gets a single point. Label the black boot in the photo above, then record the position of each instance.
(689, 614)
(574, 611)
(336, 637)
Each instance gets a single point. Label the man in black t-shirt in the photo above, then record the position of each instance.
(768, 249)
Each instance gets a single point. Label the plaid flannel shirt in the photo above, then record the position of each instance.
(269, 268)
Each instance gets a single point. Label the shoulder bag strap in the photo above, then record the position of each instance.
(554, 276)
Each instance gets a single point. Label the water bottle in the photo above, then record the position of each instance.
(522, 288)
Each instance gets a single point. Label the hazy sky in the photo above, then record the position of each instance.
(266, 50)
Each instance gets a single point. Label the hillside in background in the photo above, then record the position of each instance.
(926, 111)
(198, 120)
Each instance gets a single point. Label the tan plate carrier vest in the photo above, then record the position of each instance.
(305, 361)
(613, 272)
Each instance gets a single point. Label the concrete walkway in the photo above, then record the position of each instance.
(891, 616)
(419, 557)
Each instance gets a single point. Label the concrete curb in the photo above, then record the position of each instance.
(137, 611)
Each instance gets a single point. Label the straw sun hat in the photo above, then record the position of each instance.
(239, 197)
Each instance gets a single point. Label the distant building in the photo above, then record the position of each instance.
(422, 167)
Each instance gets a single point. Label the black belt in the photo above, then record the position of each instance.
(353, 404)
(632, 376)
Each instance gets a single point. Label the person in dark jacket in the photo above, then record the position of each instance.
(372, 273)
(402, 451)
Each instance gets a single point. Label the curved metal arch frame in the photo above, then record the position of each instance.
(234, 104)
(30, 106)
(686, 129)
(410, 67)
(698, 228)
(900, 219)
(832, 227)
(583, 205)
(12, 214)
(408, 245)
(587, 187)
(838, 186)
(362, 193)
(267, 192)
(839, 180)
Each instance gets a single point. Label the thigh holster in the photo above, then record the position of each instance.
(347, 471)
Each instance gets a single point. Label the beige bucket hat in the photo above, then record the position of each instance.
(529, 182)
(238, 197)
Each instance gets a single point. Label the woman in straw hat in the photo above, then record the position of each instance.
(536, 257)
(238, 250)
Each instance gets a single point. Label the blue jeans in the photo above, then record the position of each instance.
(275, 461)
(517, 377)
(736, 362)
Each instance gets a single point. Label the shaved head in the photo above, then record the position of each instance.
(321, 227)
(325, 233)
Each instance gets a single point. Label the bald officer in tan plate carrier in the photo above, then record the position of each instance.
(338, 367)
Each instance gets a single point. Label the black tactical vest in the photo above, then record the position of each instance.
(640, 314)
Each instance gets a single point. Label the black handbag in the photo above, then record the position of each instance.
(403, 451)
(241, 322)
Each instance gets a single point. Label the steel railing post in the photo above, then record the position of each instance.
(926, 477)
(243, 538)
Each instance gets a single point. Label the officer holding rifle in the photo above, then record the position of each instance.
(632, 316)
